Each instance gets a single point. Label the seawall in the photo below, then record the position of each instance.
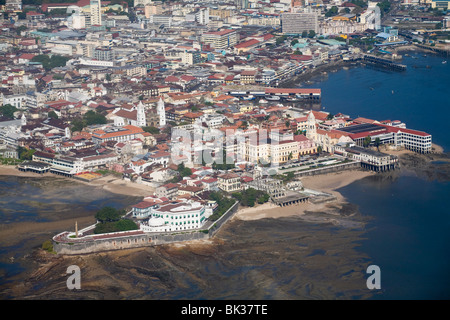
(62, 244)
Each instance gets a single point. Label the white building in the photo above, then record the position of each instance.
(161, 112)
(174, 216)
(96, 13)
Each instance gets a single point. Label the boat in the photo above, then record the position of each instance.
(272, 98)
(263, 101)
(444, 62)
(249, 97)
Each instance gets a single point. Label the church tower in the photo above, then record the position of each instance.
(311, 130)
(161, 112)
(23, 120)
(140, 116)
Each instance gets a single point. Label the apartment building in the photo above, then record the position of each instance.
(296, 23)
(220, 39)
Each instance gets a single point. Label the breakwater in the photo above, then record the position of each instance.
(64, 243)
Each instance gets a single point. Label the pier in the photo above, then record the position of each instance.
(291, 198)
(439, 51)
(385, 63)
(33, 166)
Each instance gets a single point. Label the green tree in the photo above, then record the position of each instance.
(152, 130)
(311, 34)
(332, 12)
(51, 62)
(367, 141)
(108, 214)
(184, 171)
(25, 154)
(377, 143)
(92, 117)
(78, 124)
(52, 115)
(305, 34)
(8, 110)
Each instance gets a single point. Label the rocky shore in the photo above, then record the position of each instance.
(263, 252)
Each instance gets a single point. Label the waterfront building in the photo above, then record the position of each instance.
(173, 216)
(397, 136)
(370, 159)
(169, 191)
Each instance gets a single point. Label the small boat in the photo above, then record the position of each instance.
(263, 101)
(272, 98)
(249, 97)
(444, 62)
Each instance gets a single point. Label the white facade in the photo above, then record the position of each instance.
(175, 216)
(161, 112)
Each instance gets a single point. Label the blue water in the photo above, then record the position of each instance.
(408, 231)
(420, 94)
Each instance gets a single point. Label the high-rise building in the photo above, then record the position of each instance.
(96, 12)
(296, 23)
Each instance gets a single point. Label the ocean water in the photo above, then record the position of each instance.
(408, 234)
(419, 96)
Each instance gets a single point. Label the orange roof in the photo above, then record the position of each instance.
(102, 134)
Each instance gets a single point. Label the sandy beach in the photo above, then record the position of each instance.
(108, 183)
(327, 183)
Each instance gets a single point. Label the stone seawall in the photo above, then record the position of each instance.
(133, 240)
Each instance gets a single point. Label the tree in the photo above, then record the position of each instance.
(78, 125)
(52, 115)
(152, 130)
(184, 171)
(8, 110)
(367, 141)
(25, 154)
(330, 116)
(311, 34)
(377, 143)
(305, 34)
(92, 117)
(332, 12)
(294, 42)
(108, 214)
(50, 62)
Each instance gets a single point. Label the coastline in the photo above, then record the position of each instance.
(107, 183)
(327, 183)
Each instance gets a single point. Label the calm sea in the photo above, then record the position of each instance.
(418, 96)
(407, 234)
(408, 237)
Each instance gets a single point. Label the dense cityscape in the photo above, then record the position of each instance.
(198, 103)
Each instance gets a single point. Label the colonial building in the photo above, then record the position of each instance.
(229, 182)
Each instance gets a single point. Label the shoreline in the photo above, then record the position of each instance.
(108, 183)
(328, 183)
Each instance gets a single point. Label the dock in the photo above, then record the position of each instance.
(381, 62)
